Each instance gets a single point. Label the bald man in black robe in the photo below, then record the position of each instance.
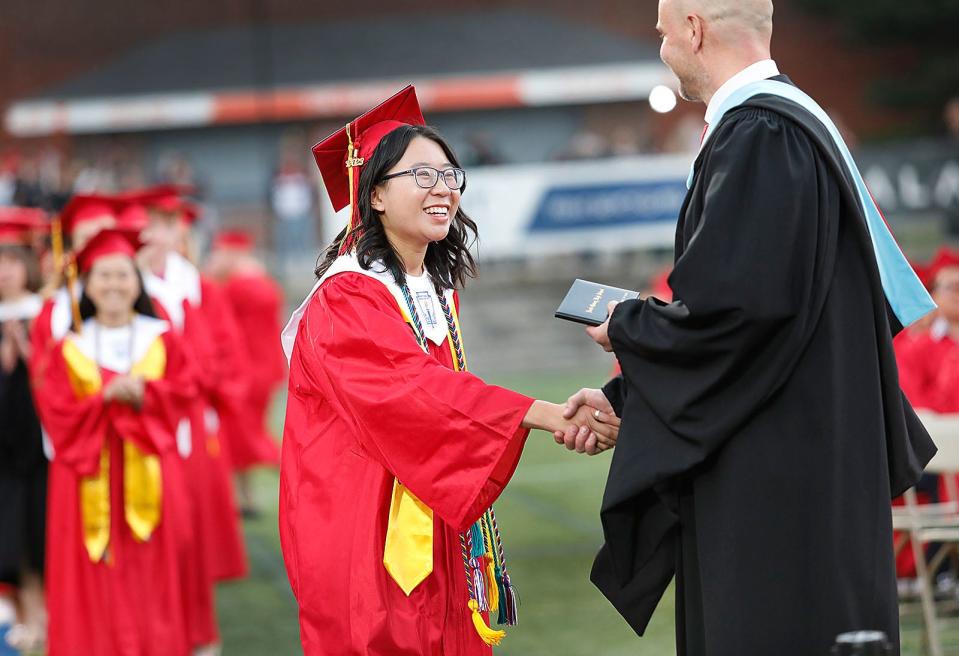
(763, 428)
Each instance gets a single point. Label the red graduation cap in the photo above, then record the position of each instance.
(88, 207)
(133, 216)
(12, 234)
(19, 224)
(944, 258)
(112, 241)
(169, 198)
(341, 156)
(235, 239)
(28, 218)
(189, 212)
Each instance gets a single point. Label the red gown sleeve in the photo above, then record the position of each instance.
(76, 427)
(914, 359)
(41, 342)
(453, 440)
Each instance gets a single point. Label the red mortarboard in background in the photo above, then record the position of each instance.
(133, 216)
(108, 242)
(12, 234)
(18, 225)
(235, 239)
(88, 207)
(341, 156)
(166, 198)
(944, 258)
(29, 218)
(189, 212)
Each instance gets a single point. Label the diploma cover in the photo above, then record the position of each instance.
(586, 302)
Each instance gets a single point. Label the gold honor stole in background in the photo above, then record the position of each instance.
(142, 477)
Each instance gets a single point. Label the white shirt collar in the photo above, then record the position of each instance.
(110, 347)
(761, 70)
(180, 282)
(939, 329)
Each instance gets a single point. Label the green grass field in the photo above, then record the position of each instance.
(549, 515)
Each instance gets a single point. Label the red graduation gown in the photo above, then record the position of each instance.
(222, 539)
(244, 438)
(132, 604)
(41, 340)
(367, 405)
(256, 301)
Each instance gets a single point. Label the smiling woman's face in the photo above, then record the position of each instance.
(112, 285)
(410, 214)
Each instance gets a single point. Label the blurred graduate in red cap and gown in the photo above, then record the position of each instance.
(195, 314)
(111, 397)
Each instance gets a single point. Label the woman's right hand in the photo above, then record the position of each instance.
(593, 431)
(543, 415)
(125, 389)
(583, 432)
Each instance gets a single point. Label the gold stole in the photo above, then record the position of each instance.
(142, 477)
(408, 552)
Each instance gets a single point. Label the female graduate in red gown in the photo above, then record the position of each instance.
(111, 399)
(392, 452)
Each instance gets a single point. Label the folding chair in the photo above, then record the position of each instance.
(933, 523)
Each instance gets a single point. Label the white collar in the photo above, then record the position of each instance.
(761, 70)
(180, 283)
(22, 309)
(145, 331)
(349, 263)
(939, 329)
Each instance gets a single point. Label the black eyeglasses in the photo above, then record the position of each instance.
(426, 177)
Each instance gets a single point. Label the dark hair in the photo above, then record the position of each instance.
(29, 261)
(449, 262)
(143, 305)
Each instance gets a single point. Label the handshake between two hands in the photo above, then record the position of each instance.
(587, 423)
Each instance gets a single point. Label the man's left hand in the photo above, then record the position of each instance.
(600, 334)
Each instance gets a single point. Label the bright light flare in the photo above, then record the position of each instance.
(662, 99)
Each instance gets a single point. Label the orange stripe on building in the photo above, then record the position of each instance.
(479, 93)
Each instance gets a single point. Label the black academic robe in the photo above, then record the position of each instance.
(23, 478)
(764, 431)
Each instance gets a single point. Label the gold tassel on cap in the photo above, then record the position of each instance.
(71, 276)
(353, 161)
(56, 244)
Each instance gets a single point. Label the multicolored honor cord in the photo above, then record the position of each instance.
(484, 559)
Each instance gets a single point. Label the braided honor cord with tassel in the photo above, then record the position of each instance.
(484, 560)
